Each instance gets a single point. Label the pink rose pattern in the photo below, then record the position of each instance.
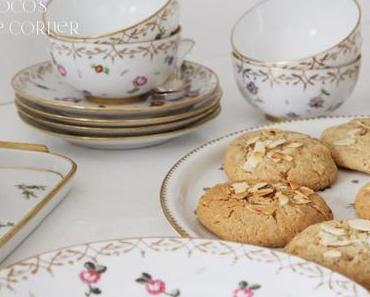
(140, 81)
(61, 70)
(245, 290)
(155, 287)
(91, 276)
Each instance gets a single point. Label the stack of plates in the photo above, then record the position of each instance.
(48, 104)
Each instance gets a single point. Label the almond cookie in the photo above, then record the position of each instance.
(280, 156)
(362, 202)
(350, 144)
(263, 214)
(342, 246)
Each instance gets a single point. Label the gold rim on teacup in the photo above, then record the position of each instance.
(287, 62)
(108, 34)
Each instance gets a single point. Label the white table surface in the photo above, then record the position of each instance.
(116, 194)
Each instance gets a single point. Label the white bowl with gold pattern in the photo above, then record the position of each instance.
(307, 34)
(287, 93)
(114, 72)
(111, 21)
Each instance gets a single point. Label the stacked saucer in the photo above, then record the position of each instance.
(46, 102)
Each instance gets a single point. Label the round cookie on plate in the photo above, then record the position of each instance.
(362, 202)
(280, 156)
(342, 246)
(263, 214)
(350, 144)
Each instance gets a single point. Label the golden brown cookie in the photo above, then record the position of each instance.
(280, 156)
(259, 213)
(362, 202)
(342, 246)
(350, 144)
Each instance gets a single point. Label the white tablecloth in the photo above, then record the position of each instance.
(116, 194)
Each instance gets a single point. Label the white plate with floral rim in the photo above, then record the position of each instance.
(124, 142)
(32, 182)
(171, 267)
(202, 168)
(39, 84)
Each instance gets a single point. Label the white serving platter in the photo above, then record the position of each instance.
(32, 182)
(171, 267)
(202, 168)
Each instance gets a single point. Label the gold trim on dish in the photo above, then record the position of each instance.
(113, 131)
(72, 137)
(163, 195)
(24, 146)
(277, 63)
(44, 66)
(99, 122)
(116, 101)
(108, 34)
(35, 210)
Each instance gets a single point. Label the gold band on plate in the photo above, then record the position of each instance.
(24, 146)
(116, 101)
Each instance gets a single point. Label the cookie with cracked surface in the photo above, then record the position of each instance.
(263, 214)
(362, 202)
(342, 246)
(280, 156)
(350, 144)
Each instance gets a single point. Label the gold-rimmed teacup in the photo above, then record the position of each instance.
(300, 35)
(111, 21)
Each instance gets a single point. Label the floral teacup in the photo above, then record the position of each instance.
(286, 93)
(108, 71)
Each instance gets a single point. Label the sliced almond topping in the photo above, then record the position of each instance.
(275, 143)
(264, 192)
(357, 131)
(262, 209)
(361, 124)
(278, 156)
(260, 147)
(345, 141)
(253, 140)
(268, 133)
(341, 243)
(306, 191)
(360, 225)
(294, 145)
(253, 161)
(240, 187)
(326, 238)
(258, 186)
(333, 230)
(283, 199)
(332, 254)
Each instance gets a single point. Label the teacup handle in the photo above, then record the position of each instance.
(185, 47)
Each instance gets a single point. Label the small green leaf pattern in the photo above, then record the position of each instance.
(246, 290)
(30, 191)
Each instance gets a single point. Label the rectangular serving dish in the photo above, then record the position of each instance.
(33, 182)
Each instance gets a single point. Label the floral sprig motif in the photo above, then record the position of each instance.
(28, 191)
(98, 68)
(156, 287)
(318, 101)
(6, 225)
(245, 290)
(91, 276)
(138, 82)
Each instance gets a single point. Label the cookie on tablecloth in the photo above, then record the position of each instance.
(342, 246)
(263, 214)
